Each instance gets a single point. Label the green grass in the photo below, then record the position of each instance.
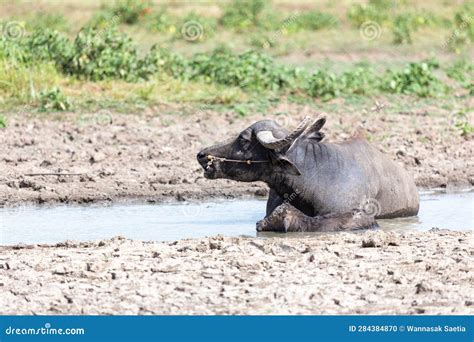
(308, 53)
(23, 83)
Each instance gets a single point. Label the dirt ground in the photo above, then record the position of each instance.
(152, 157)
(346, 273)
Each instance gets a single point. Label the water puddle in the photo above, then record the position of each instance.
(166, 222)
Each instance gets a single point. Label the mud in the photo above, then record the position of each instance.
(345, 273)
(152, 157)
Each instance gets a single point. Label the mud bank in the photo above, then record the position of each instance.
(152, 157)
(366, 273)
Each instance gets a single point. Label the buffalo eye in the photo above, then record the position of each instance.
(244, 143)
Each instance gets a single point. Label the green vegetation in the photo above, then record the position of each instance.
(375, 10)
(135, 54)
(3, 121)
(242, 15)
(111, 55)
(402, 30)
(415, 78)
(312, 20)
(462, 124)
(51, 21)
(463, 31)
(323, 84)
(54, 99)
(463, 72)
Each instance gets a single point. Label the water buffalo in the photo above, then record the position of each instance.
(317, 178)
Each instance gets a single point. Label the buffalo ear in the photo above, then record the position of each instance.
(318, 136)
(283, 164)
(313, 132)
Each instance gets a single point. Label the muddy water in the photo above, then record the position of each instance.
(27, 225)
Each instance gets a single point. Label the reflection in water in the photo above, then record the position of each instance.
(176, 221)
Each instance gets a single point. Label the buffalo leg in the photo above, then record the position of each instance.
(274, 201)
(287, 218)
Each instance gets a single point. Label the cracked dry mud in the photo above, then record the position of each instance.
(347, 273)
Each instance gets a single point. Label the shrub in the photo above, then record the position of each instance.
(54, 99)
(462, 124)
(159, 60)
(104, 19)
(415, 78)
(402, 29)
(463, 32)
(463, 72)
(99, 55)
(162, 21)
(49, 45)
(242, 15)
(249, 70)
(131, 11)
(374, 11)
(361, 80)
(14, 51)
(323, 84)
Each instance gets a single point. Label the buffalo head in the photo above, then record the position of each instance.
(256, 153)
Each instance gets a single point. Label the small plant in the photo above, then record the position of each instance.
(462, 124)
(249, 70)
(54, 99)
(13, 51)
(262, 39)
(49, 45)
(3, 121)
(131, 11)
(242, 15)
(402, 30)
(159, 60)
(99, 55)
(463, 72)
(374, 11)
(463, 32)
(323, 84)
(104, 19)
(415, 78)
(162, 21)
(361, 80)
